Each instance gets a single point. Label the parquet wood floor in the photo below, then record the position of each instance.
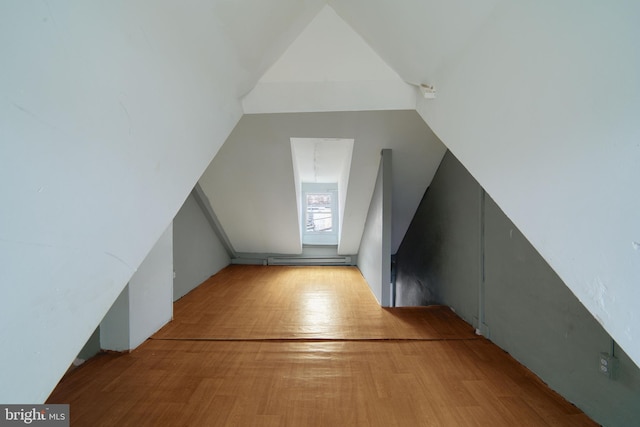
(290, 351)
(269, 302)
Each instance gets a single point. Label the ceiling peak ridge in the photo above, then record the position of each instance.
(329, 67)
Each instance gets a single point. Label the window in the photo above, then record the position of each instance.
(320, 213)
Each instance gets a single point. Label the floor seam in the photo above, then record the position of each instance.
(303, 340)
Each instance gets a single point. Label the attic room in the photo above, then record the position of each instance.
(129, 134)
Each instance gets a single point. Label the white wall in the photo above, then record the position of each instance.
(374, 256)
(109, 114)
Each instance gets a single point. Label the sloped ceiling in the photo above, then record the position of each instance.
(110, 113)
(250, 182)
(256, 33)
(540, 101)
(329, 67)
(416, 37)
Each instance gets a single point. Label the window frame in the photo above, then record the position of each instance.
(320, 237)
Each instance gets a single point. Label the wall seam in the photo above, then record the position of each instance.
(482, 329)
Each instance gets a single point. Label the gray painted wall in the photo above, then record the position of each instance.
(114, 328)
(374, 256)
(256, 162)
(197, 251)
(145, 304)
(534, 316)
(92, 347)
(528, 310)
(150, 291)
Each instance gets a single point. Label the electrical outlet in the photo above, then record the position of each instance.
(608, 364)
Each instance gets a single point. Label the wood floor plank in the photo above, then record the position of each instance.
(372, 367)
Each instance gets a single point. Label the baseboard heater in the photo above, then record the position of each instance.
(334, 260)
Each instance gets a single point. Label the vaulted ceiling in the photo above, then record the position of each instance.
(111, 112)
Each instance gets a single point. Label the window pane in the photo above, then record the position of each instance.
(319, 214)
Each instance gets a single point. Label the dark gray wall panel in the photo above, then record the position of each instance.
(438, 260)
(528, 310)
(533, 315)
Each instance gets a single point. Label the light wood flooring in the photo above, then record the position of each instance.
(309, 346)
